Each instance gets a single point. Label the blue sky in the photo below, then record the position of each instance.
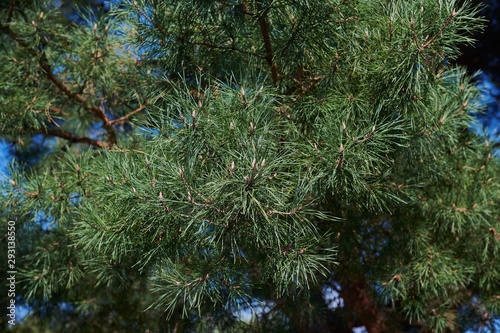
(4, 158)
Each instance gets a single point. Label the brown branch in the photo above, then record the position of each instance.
(334, 8)
(365, 137)
(55, 109)
(463, 210)
(28, 194)
(497, 236)
(431, 41)
(72, 137)
(267, 44)
(415, 36)
(429, 131)
(452, 15)
(293, 212)
(11, 11)
(340, 161)
(93, 109)
(44, 64)
(315, 146)
(6, 29)
(121, 119)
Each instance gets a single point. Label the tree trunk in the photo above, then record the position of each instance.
(361, 309)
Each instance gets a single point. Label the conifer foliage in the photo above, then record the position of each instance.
(204, 157)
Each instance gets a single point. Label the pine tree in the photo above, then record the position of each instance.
(207, 157)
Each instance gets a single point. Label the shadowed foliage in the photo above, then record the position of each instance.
(203, 158)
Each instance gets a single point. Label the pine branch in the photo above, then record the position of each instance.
(297, 26)
(184, 39)
(72, 137)
(95, 110)
(448, 21)
(207, 223)
(238, 8)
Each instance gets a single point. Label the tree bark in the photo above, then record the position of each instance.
(361, 309)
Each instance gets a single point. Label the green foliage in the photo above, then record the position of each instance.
(214, 156)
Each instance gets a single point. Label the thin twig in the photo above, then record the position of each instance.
(452, 15)
(119, 120)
